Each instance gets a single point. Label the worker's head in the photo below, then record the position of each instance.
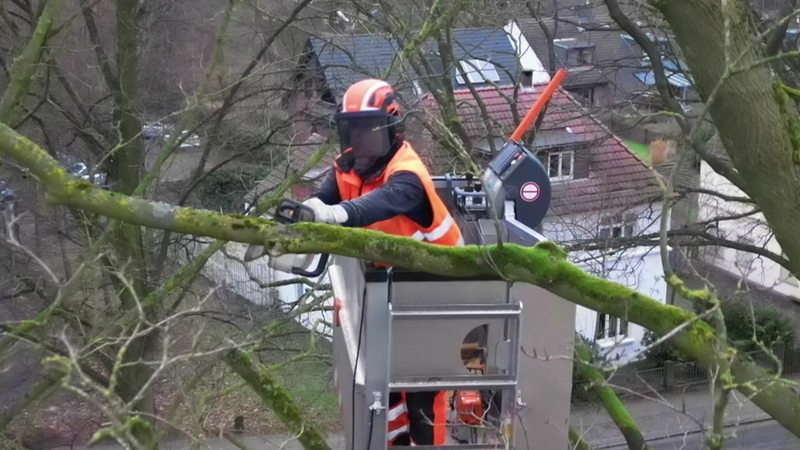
(369, 122)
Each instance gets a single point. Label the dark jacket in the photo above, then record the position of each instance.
(403, 193)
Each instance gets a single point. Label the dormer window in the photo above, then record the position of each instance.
(477, 71)
(580, 56)
(560, 164)
(577, 53)
(584, 94)
(661, 43)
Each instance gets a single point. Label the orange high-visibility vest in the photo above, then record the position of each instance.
(443, 229)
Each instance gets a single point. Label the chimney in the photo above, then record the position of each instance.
(662, 151)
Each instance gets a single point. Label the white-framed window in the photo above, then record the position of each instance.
(580, 56)
(585, 95)
(560, 165)
(616, 226)
(609, 326)
(477, 71)
(611, 230)
(629, 224)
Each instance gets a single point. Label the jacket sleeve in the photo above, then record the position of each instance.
(328, 190)
(403, 194)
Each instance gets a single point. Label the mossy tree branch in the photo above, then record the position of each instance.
(26, 63)
(576, 441)
(276, 397)
(615, 408)
(543, 265)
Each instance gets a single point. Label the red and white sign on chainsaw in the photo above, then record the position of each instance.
(529, 191)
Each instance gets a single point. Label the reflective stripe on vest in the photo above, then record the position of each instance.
(398, 423)
(394, 434)
(437, 232)
(396, 411)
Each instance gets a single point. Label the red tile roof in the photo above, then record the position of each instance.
(617, 178)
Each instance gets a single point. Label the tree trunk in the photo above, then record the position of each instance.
(758, 124)
(128, 264)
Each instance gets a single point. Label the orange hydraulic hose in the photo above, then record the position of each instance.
(538, 105)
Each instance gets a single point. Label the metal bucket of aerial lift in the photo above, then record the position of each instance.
(433, 318)
(406, 331)
(399, 330)
(312, 265)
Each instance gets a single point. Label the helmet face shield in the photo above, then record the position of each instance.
(365, 135)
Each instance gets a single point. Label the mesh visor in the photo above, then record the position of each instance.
(365, 133)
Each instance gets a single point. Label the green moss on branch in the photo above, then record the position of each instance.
(608, 398)
(277, 398)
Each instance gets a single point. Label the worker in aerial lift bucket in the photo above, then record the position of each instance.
(380, 183)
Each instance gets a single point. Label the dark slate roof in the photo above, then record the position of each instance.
(345, 59)
(487, 44)
(617, 178)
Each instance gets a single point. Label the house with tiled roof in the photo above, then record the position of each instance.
(600, 190)
(590, 168)
(600, 65)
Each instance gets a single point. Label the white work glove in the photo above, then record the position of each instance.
(326, 213)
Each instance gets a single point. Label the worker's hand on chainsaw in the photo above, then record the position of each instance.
(326, 213)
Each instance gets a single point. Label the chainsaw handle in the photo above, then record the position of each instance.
(291, 211)
(323, 262)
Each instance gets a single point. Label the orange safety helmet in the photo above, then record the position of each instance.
(370, 95)
(369, 120)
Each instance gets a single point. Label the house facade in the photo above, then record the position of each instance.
(748, 228)
(639, 268)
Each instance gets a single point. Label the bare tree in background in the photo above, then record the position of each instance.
(153, 112)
